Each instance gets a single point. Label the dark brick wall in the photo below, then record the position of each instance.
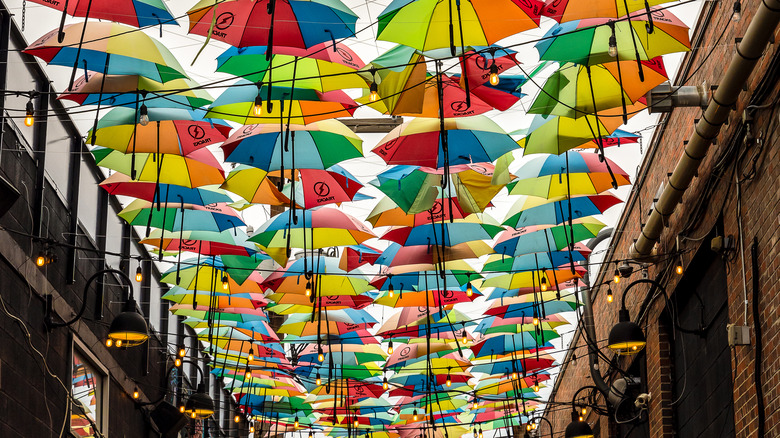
(718, 195)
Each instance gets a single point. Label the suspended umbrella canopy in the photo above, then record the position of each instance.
(587, 41)
(318, 145)
(254, 337)
(556, 135)
(533, 211)
(317, 187)
(388, 213)
(432, 24)
(123, 90)
(539, 279)
(415, 189)
(494, 324)
(413, 298)
(120, 184)
(181, 137)
(546, 303)
(533, 261)
(207, 243)
(398, 76)
(398, 255)
(138, 13)
(477, 68)
(109, 48)
(470, 140)
(207, 275)
(530, 240)
(355, 256)
(426, 280)
(527, 365)
(322, 67)
(321, 228)
(568, 10)
(301, 106)
(321, 275)
(249, 301)
(180, 217)
(446, 234)
(288, 303)
(293, 23)
(576, 90)
(199, 168)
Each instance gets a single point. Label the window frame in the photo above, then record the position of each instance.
(79, 347)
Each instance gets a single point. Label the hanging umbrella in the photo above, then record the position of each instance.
(507, 344)
(355, 256)
(251, 184)
(446, 234)
(495, 324)
(397, 77)
(120, 184)
(568, 10)
(318, 187)
(319, 145)
(432, 24)
(313, 229)
(199, 168)
(577, 90)
(240, 103)
(293, 23)
(425, 280)
(398, 255)
(207, 274)
(109, 48)
(249, 301)
(544, 302)
(181, 137)
(539, 279)
(532, 211)
(470, 140)
(530, 240)
(125, 90)
(414, 189)
(483, 75)
(323, 67)
(207, 243)
(556, 135)
(138, 13)
(413, 298)
(387, 213)
(287, 303)
(533, 261)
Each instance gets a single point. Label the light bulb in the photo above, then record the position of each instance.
(251, 428)
(143, 115)
(225, 283)
(391, 290)
(109, 342)
(533, 426)
(449, 381)
(616, 277)
(374, 96)
(251, 355)
(475, 405)
(679, 269)
(613, 51)
(308, 288)
(610, 298)
(494, 75)
(543, 285)
(737, 11)
(119, 343)
(319, 380)
(296, 424)
(257, 109)
(311, 434)
(528, 427)
(139, 275)
(29, 117)
(182, 352)
(193, 415)
(535, 320)
(514, 374)
(177, 362)
(385, 385)
(390, 347)
(465, 337)
(41, 260)
(320, 357)
(536, 388)
(248, 374)
(237, 419)
(414, 415)
(469, 289)
(480, 432)
(584, 410)
(181, 409)
(356, 423)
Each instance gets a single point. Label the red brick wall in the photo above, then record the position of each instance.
(760, 218)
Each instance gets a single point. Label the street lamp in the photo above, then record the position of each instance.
(128, 329)
(626, 337)
(578, 428)
(200, 404)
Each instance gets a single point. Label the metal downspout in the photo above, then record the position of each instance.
(587, 317)
(748, 52)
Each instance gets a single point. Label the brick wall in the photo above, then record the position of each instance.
(760, 217)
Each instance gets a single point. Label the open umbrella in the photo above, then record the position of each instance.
(530, 240)
(292, 23)
(138, 13)
(121, 185)
(251, 184)
(199, 168)
(568, 10)
(108, 48)
(388, 213)
(532, 211)
(446, 234)
(125, 90)
(180, 137)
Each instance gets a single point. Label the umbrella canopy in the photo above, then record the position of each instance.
(532, 211)
(181, 137)
(199, 168)
(432, 24)
(123, 90)
(121, 184)
(528, 240)
(568, 10)
(251, 184)
(556, 135)
(470, 140)
(109, 48)
(293, 23)
(318, 145)
(446, 234)
(138, 13)
(387, 213)
(230, 242)
(323, 67)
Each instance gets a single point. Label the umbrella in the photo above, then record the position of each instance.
(506, 344)
(313, 229)
(433, 24)
(318, 145)
(470, 140)
(546, 303)
(109, 48)
(124, 90)
(532, 211)
(355, 256)
(251, 184)
(320, 187)
(387, 213)
(293, 23)
(568, 10)
(396, 76)
(538, 279)
(556, 135)
(530, 240)
(322, 67)
(446, 234)
(414, 189)
(138, 13)
(241, 103)
(397, 255)
(231, 242)
(199, 168)
(121, 185)
(413, 298)
(533, 261)
(181, 137)
(288, 302)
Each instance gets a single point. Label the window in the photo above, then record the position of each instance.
(88, 413)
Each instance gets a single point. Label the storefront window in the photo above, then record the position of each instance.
(87, 398)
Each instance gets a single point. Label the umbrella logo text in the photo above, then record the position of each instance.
(321, 189)
(196, 132)
(224, 21)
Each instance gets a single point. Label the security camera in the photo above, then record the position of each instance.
(642, 400)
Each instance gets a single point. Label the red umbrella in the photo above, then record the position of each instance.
(356, 256)
(321, 187)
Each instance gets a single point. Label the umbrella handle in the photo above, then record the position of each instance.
(61, 34)
(650, 27)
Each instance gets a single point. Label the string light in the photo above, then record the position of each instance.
(679, 268)
(465, 339)
(139, 274)
(494, 79)
(237, 419)
(319, 380)
(136, 393)
(616, 277)
(251, 428)
(182, 352)
(297, 423)
(374, 96)
(469, 289)
(225, 284)
(612, 51)
(385, 385)
(543, 285)
(414, 415)
(480, 432)
(610, 298)
(356, 423)
(29, 117)
(181, 409)
(584, 410)
(448, 382)
(177, 362)
(535, 320)
(257, 109)
(390, 347)
(308, 288)
(248, 374)
(41, 259)
(143, 115)
(391, 290)
(737, 15)
(320, 354)
(109, 342)
(251, 355)
(119, 343)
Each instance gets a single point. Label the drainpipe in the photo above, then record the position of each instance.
(748, 52)
(587, 318)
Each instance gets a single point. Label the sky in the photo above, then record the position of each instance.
(40, 19)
